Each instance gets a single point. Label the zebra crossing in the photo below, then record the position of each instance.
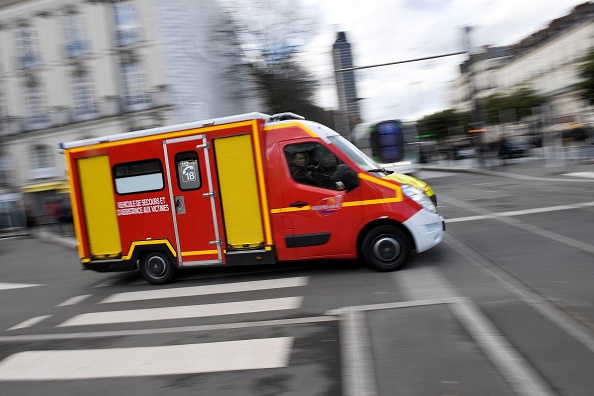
(188, 358)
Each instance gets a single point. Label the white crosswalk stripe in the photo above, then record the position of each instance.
(207, 290)
(589, 175)
(7, 286)
(245, 354)
(143, 361)
(184, 312)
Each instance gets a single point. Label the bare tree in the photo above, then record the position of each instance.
(267, 36)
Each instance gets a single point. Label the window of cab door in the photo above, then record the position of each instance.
(312, 164)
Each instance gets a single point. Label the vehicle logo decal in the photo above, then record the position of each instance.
(329, 205)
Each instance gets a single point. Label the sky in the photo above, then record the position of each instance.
(384, 31)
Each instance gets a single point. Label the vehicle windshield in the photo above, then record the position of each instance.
(354, 154)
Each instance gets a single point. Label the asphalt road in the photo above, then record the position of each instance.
(503, 306)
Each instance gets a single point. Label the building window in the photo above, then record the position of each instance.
(75, 40)
(27, 48)
(4, 170)
(41, 157)
(35, 107)
(127, 30)
(135, 97)
(138, 176)
(82, 88)
(2, 113)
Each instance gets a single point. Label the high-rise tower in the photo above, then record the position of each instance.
(346, 88)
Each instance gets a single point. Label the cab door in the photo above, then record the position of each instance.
(319, 219)
(195, 209)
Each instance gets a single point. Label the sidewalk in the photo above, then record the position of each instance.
(45, 233)
(521, 168)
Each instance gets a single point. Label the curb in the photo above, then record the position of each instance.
(360, 377)
(63, 241)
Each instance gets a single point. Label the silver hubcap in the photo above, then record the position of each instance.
(386, 248)
(156, 266)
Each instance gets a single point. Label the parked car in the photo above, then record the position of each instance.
(464, 153)
(513, 149)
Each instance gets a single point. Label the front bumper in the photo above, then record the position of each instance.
(427, 229)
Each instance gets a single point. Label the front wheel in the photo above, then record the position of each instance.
(156, 268)
(386, 248)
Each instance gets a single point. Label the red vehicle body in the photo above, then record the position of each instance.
(221, 192)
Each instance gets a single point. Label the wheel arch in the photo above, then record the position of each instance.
(380, 222)
(139, 249)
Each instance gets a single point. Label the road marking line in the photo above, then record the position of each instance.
(184, 312)
(358, 374)
(7, 286)
(503, 217)
(515, 369)
(168, 330)
(74, 300)
(548, 310)
(489, 197)
(522, 377)
(106, 282)
(581, 174)
(147, 361)
(29, 322)
(423, 283)
(493, 215)
(206, 290)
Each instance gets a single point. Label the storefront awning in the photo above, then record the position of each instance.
(60, 186)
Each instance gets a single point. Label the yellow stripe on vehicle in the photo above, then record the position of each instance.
(161, 136)
(288, 210)
(199, 253)
(383, 183)
(261, 183)
(397, 197)
(74, 206)
(294, 124)
(149, 242)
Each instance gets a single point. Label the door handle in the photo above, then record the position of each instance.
(180, 206)
(298, 204)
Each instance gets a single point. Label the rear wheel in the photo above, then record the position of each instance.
(386, 248)
(156, 268)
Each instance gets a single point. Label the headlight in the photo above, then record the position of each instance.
(419, 197)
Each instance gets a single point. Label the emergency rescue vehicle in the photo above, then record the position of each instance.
(225, 192)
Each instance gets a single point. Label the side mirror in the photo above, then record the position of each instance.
(346, 177)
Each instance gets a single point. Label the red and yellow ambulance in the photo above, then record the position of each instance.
(246, 189)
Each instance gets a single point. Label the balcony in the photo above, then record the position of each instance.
(43, 173)
(108, 106)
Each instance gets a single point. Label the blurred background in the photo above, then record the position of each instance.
(470, 80)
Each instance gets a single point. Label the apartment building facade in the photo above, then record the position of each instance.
(76, 69)
(547, 61)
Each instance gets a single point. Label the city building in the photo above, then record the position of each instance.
(74, 69)
(349, 113)
(546, 61)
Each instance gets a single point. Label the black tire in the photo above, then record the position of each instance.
(386, 248)
(156, 268)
